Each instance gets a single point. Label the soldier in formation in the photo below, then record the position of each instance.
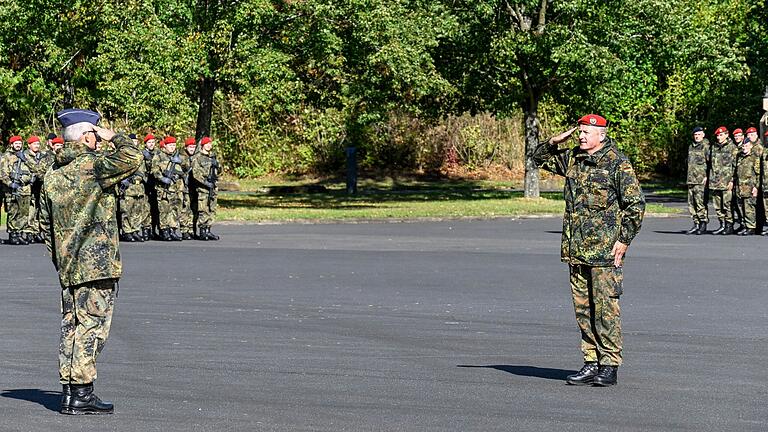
(205, 175)
(168, 172)
(730, 171)
(17, 179)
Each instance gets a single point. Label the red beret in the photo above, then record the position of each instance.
(149, 137)
(720, 130)
(169, 140)
(161, 143)
(205, 140)
(15, 138)
(32, 139)
(189, 141)
(750, 130)
(593, 120)
(58, 140)
(739, 131)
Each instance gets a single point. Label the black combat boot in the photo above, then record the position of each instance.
(728, 229)
(210, 235)
(186, 236)
(146, 233)
(585, 376)
(23, 238)
(765, 231)
(606, 376)
(165, 234)
(693, 229)
(202, 233)
(702, 229)
(39, 238)
(175, 236)
(84, 401)
(137, 237)
(66, 397)
(14, 239)
(720, 229)
(746, 232)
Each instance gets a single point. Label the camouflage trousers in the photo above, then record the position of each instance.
(131, 215)
(86, 317)
(33, 219)
(748, 207)
(596, 292)
(696, 205)
(186, 218)
(146, 210)
(722, 200)
(17, 207)
(169, 206)
(205, 212)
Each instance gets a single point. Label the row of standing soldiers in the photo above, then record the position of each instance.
(731, 172)
(171, 197)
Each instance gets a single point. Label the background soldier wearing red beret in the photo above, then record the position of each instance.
(186, 217)
(604, 209)
(722, 169)
(17, 179)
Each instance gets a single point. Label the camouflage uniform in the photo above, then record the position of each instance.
(698, 161)
(747, 178)
(133, 201)
(17, 179)
(721, 171)
(603, 204)
(78, 205)
(149, 205)
(186, 217)
(169, 187)
(205, 172)
(38, 163)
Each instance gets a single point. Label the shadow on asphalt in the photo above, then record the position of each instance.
(671, 232)
(530, 371)
(46, 398)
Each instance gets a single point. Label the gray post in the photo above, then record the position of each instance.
(351, 170)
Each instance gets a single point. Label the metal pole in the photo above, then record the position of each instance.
(351, 170)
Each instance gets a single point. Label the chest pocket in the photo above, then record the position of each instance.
(598, 189)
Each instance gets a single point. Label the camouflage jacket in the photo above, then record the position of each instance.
(79, 210)
(186, 166)
(133, 185)
(603, 201)
(168, 176)
(698, 161)
(747, 172)
(16, 174)
(201, 172)
(722, 165)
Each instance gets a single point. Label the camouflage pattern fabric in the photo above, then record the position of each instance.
(86, 312)
(697, 207)
(149, 205)
(603, 201)
(79, 207)
(596, 292)
(186, 217)
(17, 202)
(722, 165)
(38, 163)
(206, 208)
(698, 160)
(722, 200)
(132, 201)
(169, 196)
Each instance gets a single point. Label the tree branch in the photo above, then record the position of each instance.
(542, 16)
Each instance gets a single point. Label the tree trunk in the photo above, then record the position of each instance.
(205, 108)
(531, 112)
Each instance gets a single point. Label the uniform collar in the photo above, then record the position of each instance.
(596, 156)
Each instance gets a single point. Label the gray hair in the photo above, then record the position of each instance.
(73, 132)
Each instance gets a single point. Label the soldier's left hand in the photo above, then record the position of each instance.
(618, 251)
(730, 186)
(754, 192)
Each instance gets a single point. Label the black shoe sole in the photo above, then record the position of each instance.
(579, 383)
(85, 411)
(602, 384)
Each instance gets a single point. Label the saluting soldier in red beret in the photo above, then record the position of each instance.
(604, 209)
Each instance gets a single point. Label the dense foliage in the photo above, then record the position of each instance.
(285, 85)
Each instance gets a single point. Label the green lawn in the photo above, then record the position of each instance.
(293, 201)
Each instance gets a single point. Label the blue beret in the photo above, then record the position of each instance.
(132, 136)
(698, 129)
(51, 136)
(71, 116)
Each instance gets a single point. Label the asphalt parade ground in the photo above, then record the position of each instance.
(428, 326)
